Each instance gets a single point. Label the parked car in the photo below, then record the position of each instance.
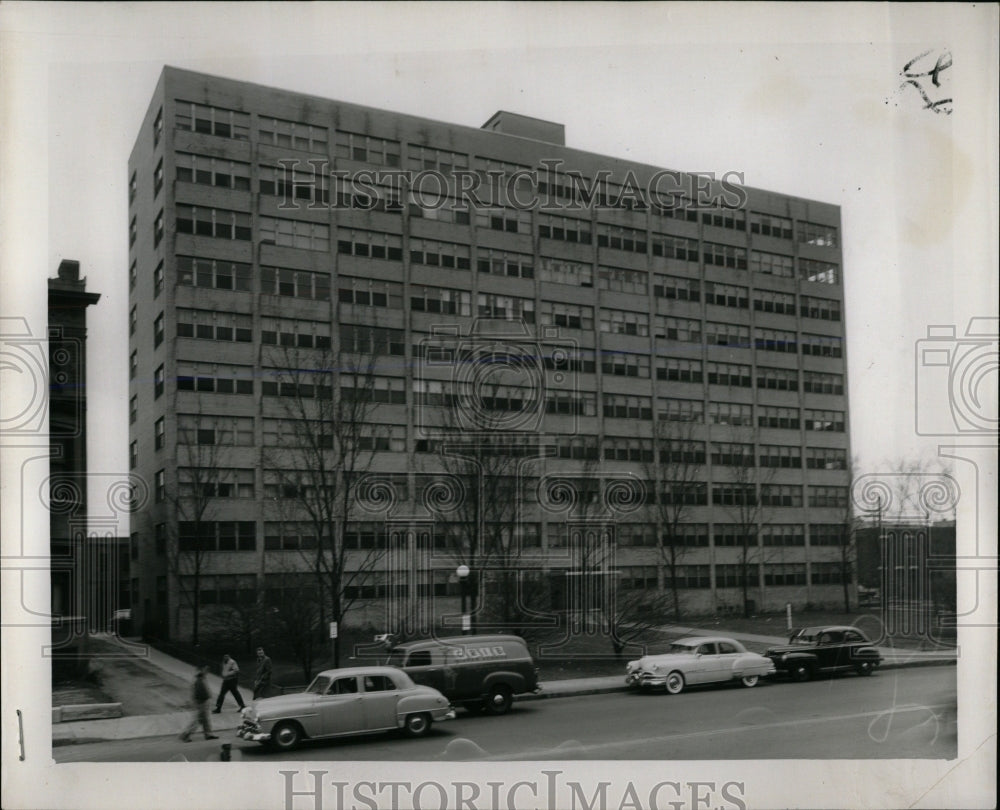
(697, 660)
(814, 650)
(120, 623)
(343, 702)
(473, 671)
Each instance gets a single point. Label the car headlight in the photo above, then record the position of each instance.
(631, 666)
(656, 667)
(250, 714)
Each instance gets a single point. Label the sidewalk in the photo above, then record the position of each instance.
(173, 723)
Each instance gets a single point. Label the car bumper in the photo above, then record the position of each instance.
(448, 714)
(253, 734)
(645, 680)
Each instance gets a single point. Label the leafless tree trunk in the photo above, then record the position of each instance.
(328, 441)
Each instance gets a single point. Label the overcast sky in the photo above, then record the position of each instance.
(804, 101)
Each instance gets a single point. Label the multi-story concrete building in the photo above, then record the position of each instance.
(685, 338)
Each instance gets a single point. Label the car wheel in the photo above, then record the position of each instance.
(675, 683)
(749, 680)
(801, 672)
(499, 700)
(417, 725)
(286, 735)
(865, 668)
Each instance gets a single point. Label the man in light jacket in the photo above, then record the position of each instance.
(230, 683)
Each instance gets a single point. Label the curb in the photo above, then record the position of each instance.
(542, 695)
(86, 711)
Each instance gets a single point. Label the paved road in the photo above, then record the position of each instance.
(908, 713)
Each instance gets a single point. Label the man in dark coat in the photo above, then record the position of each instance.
(262, 680)
(200, 697)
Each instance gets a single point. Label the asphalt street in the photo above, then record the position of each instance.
(905, 713)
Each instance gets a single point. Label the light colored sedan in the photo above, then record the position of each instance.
(342, 702)
(697, 660)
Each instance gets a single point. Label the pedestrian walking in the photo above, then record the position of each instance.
(230, 683)
(200, 697)
(262, 680)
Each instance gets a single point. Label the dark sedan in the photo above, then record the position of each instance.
(825, 650)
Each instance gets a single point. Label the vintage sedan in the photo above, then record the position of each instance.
(343, 702)
(827, 650)
(693, 661)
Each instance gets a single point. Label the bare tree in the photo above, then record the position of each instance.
(743, 498)
(328, 441)
(847, 542)
(676, 470)
(202, 479)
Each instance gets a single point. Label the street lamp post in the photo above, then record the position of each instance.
(463, 584)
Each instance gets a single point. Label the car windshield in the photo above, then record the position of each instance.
(804, 638)
(319, 685)
(682, 649)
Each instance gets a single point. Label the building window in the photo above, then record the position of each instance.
(777, 574)
(295, 283)
(370, 245)
(158, 229)
(811, 233)
(622, 406)
(566, 229)
(822, 345)
(440, 300)
(365, 292)
(826, 458)
(206, 324)
(781, 456)
(132, 321)
(160, 486)
(220, 378)
(618, 237)
(770, 301)
(730, 413)
(158, 382)
(818, 272)
(504, 263)
(625, 364)
(826, 573)
(724, 255)
(828, 496)
(622, 322)
(615, 448)
(214, 274)
(678, 369)
(132, 183)
(215, 429)
(559, 403)
(775, 340)
(727, 334)
(680, 330)
(827, 309)
(158, 279)
(158, 127)
(772, 264)
(133, 455)
(732, 454)
(158, 436)
(786, 534)
(220, 223)
(212, 121)
(132, 275)
(732, 218)
(827, 534)
(729, 374)
(563, 271)
(678, 288)
(828, 421)
(677, 451)
(568, 316)
(773, 416)
(372, 340)
(158, 178)
(292, 333)
(215, 482)
(160, 538)
(726, 295)
(768, 225)
(367, 149)
(439, 254)
(133, 409)
(818, 382)
(680, 410)
(777, 379)
(786, 495)
(158, 330)
(133, 232)
(688, 493)
(675, 247)
(211, 171)
(133, 365)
